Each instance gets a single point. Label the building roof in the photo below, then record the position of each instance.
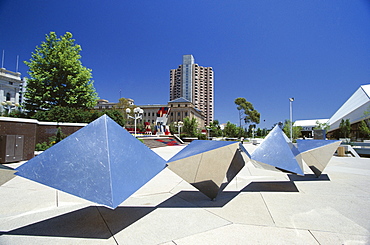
(155, 106)
(9, 75)
(353, 109)
(309, 123)
(180, 100)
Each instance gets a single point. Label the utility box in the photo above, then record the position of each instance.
(319, 134)
(11, 148)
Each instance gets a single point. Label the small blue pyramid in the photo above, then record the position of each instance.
(276, 151)
(101, 162)
(198, 147)
(306, 145)
(208, 165)
(317, 153)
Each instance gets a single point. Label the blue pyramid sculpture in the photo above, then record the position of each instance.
(101, 162)
(276, 152)
(208, 165)
(198, 147)
(307, 145)
(317, 153)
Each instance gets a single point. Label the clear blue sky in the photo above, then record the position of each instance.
(265, 51)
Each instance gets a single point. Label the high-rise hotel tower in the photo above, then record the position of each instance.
(195, 84)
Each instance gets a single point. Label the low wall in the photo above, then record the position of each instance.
(34, 131)
(45, 130)
(26, 127)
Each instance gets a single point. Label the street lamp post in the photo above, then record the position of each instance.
(253, 129)
(138, 112)
(291, 118)
(208, 131)
(9, 105)
(178, 124)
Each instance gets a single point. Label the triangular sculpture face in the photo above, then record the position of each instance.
(101, 162)
(6, 174)
(208, 165)
(317, 153)
(276, 152)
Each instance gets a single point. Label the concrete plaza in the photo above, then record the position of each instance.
(258, 207)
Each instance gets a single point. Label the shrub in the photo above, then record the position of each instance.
(201, 136)
(52, 141)
(42, 146)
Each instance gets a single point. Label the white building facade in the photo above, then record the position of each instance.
(11, 86)
(355, 110)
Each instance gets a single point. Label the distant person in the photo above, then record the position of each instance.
(242, 140)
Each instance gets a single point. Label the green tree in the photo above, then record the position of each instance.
(247, 111)
(65, 114)
(322, 126)
(57, 77)
(242, 132)
(123, 103)
(76, 115)
(364, 129)
(259, 132)
(231, 130)
(345, 128)
(190, 127)
(297, 130)
(118, 117)
(215, 129)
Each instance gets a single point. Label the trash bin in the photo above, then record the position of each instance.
(341, 151)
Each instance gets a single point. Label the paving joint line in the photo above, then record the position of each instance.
(314, 236)
(267, 208)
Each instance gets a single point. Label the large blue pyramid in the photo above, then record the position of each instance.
(101, 162)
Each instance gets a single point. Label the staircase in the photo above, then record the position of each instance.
(160, 142)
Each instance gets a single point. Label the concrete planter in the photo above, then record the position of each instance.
(189, 139)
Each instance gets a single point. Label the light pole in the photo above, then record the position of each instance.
(208, 130)
(178, 124)
(9, 105)
(291, 118)
(138, 112)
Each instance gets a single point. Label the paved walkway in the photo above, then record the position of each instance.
(258, 207)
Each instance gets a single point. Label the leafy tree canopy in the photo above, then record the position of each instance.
(296, 130)
(123, 103)
(250, 114)
(322, 126)
(77, 115)
(57, 77)
(215, 129)
(364, 129)
(345, 128)
(230, 130)
(190, 127)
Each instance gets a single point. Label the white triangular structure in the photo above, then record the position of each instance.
(353, 109)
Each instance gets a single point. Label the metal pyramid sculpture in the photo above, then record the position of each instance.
(6, 174)
(245, 154)
(101, 162)
(277, 153)
(208, 165)
(317, 153)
